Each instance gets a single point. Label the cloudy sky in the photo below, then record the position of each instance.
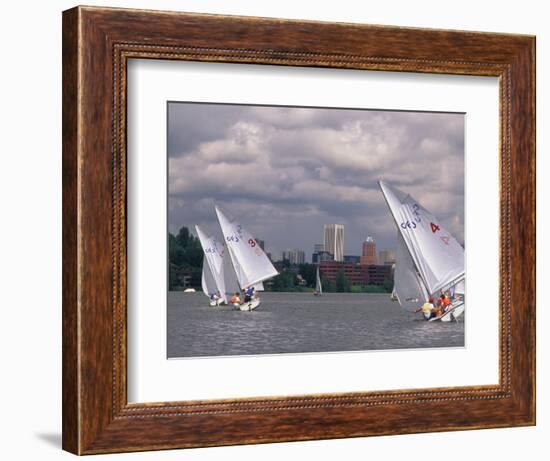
(284, 172)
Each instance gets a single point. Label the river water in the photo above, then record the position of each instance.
(301, 322)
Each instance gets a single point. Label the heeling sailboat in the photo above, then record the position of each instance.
(318, 287)
(250, 264)
(212, 281)
(429, 260)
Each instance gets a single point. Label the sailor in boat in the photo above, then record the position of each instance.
(442, 305)
(249, 294)
(428, 310)
(438, 309)
(446, 301)
(236, 298)
(215, 297)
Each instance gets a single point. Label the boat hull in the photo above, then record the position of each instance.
(452, 314)
(249, 306)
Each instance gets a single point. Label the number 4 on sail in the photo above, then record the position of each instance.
(429, 261)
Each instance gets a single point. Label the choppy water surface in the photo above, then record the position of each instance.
(301, 322)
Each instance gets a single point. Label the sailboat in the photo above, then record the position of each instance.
(318, 287)
(429, 260)
(212, 280)
(247, 264)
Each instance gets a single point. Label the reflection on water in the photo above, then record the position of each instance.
(301, 322)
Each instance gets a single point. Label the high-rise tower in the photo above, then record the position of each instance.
(369, 252)
(334, 240)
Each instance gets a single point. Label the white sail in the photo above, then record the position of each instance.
(407, 284)
(251, 264)
(259, 286)
(212, 267)
(318, 286)
(231, 284)
(437, 256)
(208, 283)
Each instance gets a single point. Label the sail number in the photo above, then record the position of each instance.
(233, 238)
(411, 224)
(237, 236)
(236, 239)
(408, 225)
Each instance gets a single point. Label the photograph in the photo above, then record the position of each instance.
(313, 229)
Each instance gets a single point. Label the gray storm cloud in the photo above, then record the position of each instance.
(284, 172)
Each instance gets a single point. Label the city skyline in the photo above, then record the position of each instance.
(286, 172)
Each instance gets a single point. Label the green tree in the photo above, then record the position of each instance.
(185, 256)
(176, 253)
(283, 282)
(183, 236)
(328, 285)
(308, 272)
(375, 289)
(173, 277)
(193, 252)
(285, 264)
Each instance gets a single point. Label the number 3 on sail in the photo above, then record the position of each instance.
(247, 261)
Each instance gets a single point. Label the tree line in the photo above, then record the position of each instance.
(185, 259)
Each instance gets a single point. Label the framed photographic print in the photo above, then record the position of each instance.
(282, 230)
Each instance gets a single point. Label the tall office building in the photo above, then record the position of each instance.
(334, 240)
(369, 252)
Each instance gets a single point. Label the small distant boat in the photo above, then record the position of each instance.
(429, 260)
(247, 264)
(318, 287)
(189, 290)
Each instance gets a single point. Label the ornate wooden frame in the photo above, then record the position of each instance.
(97, 43)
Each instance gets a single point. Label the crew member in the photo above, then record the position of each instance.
(427, 309)
(248, 294)
(235, 299)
